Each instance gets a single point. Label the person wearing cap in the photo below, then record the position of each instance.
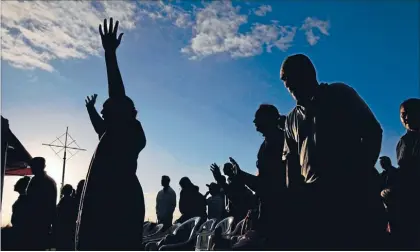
(215, 203)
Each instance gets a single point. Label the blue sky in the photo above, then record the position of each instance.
(196, 74)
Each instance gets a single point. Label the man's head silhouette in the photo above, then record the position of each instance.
(299, 77)
(228, 170)
(22, 184)
(37, 165)
(118, 109)
(267, 119)
(214, 189)
(385, 162)
(67, 191)
(410, 114)
(165, 181)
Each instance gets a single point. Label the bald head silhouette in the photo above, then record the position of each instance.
(299, 77)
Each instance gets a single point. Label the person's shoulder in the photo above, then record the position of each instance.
(339, 88)
(50, 180)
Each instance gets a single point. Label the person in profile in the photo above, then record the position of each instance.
(112, 188)
(215, 203)
(165, 203)
(20, 207)
(42, 199)
(332, 143)
(408, 157)
(270, 184)
(191, 202)
(66, 219)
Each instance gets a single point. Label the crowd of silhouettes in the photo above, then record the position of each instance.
(316, 185)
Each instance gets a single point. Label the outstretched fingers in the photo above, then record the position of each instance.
(111, 26)
(100, 31)
(117, 23)
(105, 27)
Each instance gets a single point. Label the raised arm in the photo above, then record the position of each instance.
(95, 118)
(248, 179)
(110, 42)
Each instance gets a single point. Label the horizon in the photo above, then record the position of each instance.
(196, 72)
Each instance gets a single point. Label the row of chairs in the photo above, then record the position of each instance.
(189, 235)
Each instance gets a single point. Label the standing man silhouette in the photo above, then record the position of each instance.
(111, 211)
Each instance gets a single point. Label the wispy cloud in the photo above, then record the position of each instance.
(263, 10)
(34, 33)
(313, 23)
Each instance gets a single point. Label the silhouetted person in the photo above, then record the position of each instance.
(79, 191)
(165, 203)
(408, 156)
(332, 142)
(4, 139)
(270, 184)
(240, 198)
(111, 213)
(389, 173)
(42, 198)
(215, 203)
(20, 207)
(191, 202)
(66, 219)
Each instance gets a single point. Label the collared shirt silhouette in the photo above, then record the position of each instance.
(111, 212)
(165, 203)
(42, 198)
(332, 142)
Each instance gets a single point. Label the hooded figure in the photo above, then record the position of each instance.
(191, 202)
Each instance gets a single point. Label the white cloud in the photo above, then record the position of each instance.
(34, 33)
(216, 30)
(313, 23)
(263, 10)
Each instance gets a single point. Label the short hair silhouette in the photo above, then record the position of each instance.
(412, 104)
(37, 165)
(299, 64)
(67, 190)
(268, 110)
(22, 184)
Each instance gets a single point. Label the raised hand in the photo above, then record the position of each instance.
(215, 169)
(90, 101)
(110, 42)
(236, 167)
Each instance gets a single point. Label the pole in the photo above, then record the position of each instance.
(64, 159)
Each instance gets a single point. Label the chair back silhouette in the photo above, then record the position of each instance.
(203, 235)
(184, 235)
(238, 228)
(226, 228)
(146, 227)
(152, 231)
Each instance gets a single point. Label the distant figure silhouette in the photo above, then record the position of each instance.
(165, 203)
(408, 156)
(42, 198)
(332, 142)
(20, 207)
(191, 202)
(270, 184)
(215, 203)
(240, 198)
(111, 212)
(66, 219)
